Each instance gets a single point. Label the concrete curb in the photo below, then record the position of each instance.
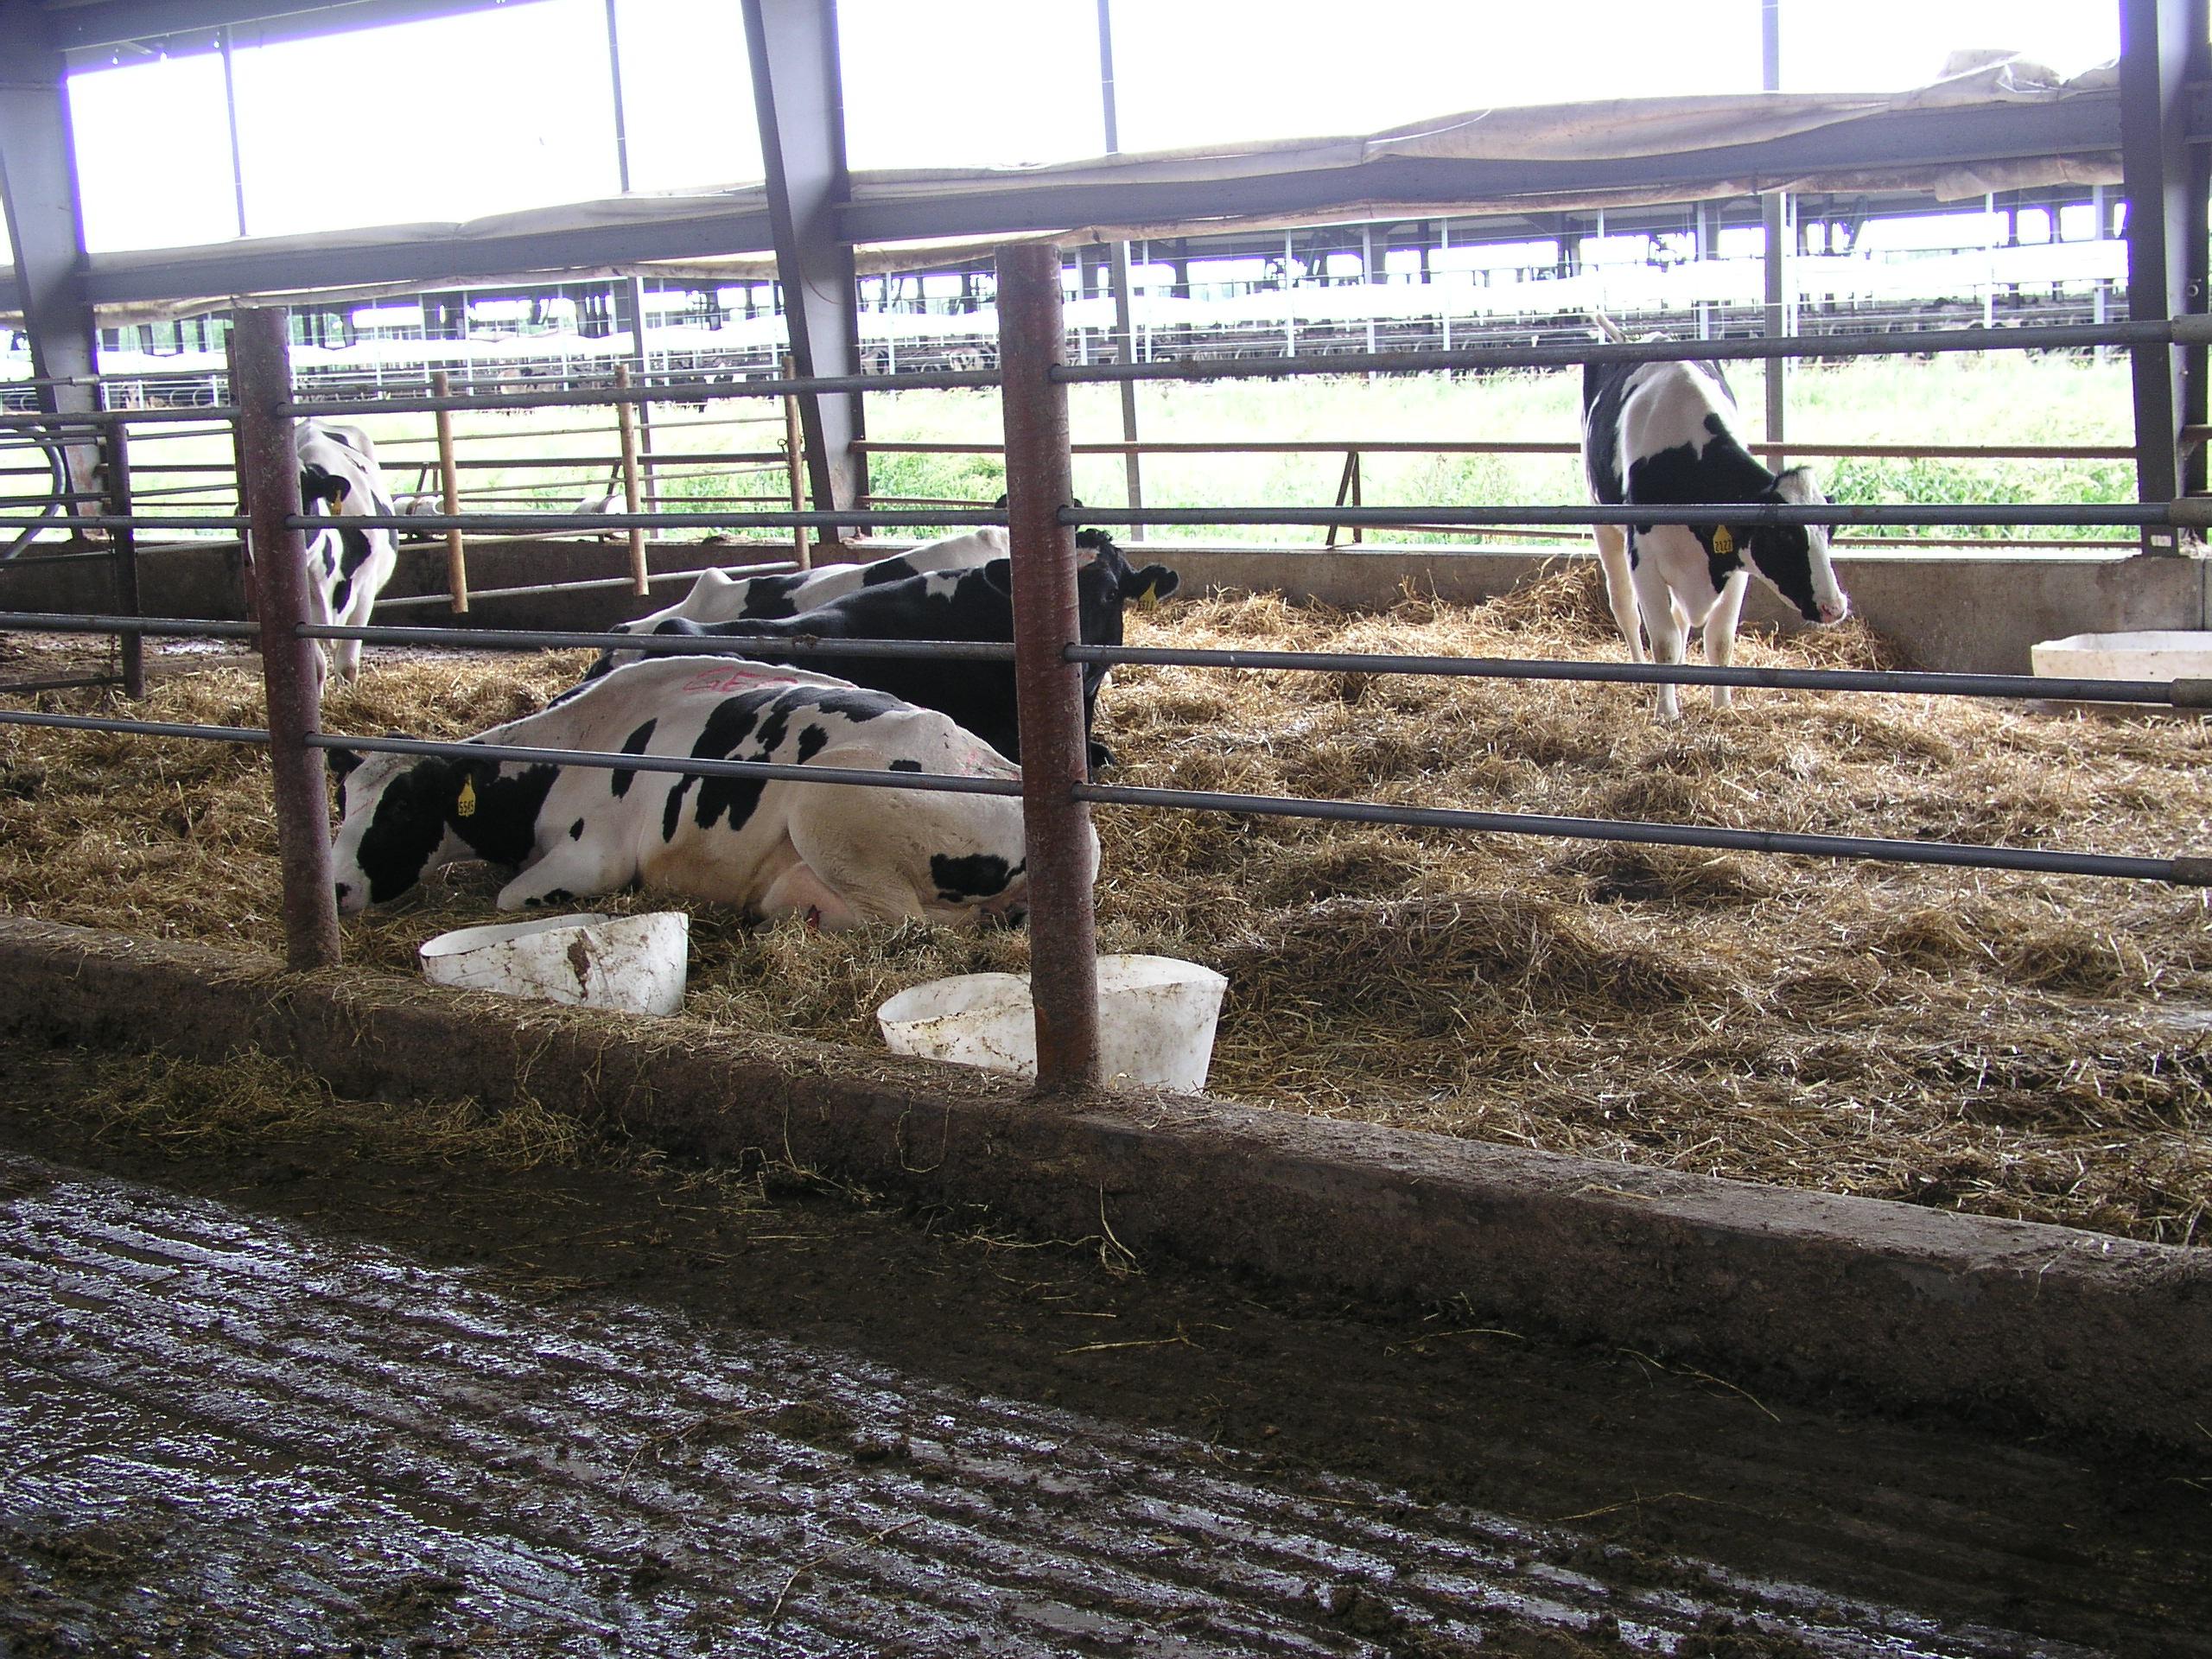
(2078, 1331)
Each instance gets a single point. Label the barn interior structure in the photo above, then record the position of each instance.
(1737, 1184)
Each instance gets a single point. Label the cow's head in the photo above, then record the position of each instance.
(1793, 559)
(399, 816)
(320, 489)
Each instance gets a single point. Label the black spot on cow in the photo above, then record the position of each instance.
(734, 719)
(905, 765)
(884, 570)
(409, 822)
(503, 825)
(812, 740)
(972, 875)
(633, 743)
(577, 830)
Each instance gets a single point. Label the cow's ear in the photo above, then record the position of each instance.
(998, 574)
(340, 762)
(471, 780)
(1150, 585)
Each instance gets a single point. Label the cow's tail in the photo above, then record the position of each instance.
(1608, 327)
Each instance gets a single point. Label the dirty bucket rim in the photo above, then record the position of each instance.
(483, 935)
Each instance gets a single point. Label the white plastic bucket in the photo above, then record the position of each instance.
(635, 962)
(2158, 654)
(1156, 1017)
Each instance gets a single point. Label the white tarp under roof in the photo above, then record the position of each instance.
(1607, 130)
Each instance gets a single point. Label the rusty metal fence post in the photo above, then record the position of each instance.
(269, 477)
(1063, 928)
(123, 548)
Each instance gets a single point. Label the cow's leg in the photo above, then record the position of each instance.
(1720, 631)
(1670, 630)
(799, 892)
(1620, 585)
(572, 869)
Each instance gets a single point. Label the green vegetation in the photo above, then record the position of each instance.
(2004, 398)
(1998, 400)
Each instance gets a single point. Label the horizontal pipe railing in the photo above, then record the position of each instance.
(2187, 330)
(929, 380)
(118, 417)
(2183, 871)
(1510, 447)
(669, 644)
(2186, 693)
(655, 578)
(687, 766)
(2183, 513)
(2188, 514)
(2180, 693)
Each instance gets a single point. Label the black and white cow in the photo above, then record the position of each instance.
(838, 855)
(1657, 434)
(717, 596)
(974, 604)
(347, 564)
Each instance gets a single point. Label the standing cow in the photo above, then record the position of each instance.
(837, 854)
(347, 564)
(1663, 434)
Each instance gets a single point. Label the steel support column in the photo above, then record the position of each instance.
(1062, 955)
(797, 93)
(1775, 215)
(2162, 49)
(1125, 334)
(38, 180)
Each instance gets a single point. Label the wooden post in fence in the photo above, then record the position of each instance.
(449, 496)
(625, 417)
(793, 461)
(269, 476)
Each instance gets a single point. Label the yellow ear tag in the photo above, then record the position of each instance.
(464, 806)
(1724, 542)
(1150, 597)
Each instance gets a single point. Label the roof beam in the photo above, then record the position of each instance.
(798, 96)
(177, 27)
(38, 179)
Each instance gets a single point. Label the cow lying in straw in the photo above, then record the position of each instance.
(837, 854)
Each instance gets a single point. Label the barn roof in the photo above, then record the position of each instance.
(1998, 125)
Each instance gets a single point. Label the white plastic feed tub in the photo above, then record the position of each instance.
(2170, 654)
(1156, 1019)
(634, 962)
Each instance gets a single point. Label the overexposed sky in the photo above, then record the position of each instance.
(494, 110)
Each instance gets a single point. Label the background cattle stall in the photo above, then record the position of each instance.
(2012, 1045)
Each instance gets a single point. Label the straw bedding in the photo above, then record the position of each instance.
(2010, 1045)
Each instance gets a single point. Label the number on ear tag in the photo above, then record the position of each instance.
(1724, 542)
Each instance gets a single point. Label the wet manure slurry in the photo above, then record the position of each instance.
(291, 1373)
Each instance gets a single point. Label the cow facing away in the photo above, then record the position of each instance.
(347, 564)
(837, 854)
(717, 596)
(1663, 434)
(969, 605)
